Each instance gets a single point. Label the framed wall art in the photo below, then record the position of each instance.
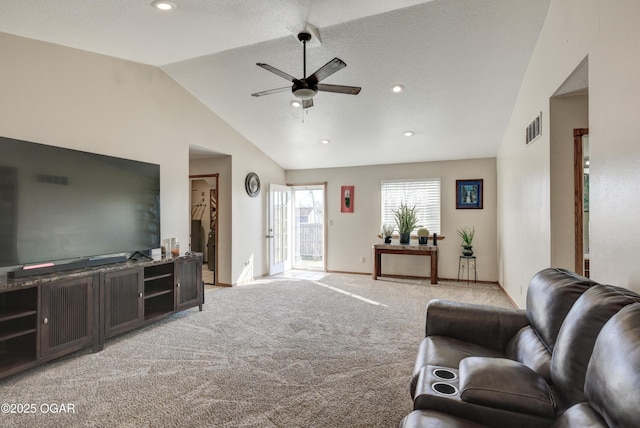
(469, 194)
(346, 199)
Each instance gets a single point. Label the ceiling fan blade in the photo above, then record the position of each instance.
(326, 70)
(340, 89)
(271, 91)
(307, 103)
(276, 71)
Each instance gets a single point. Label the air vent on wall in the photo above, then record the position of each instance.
(53, 179)
(534, 129)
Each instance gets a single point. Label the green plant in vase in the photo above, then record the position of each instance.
(406, 220)
(423, 235)
(466, 234)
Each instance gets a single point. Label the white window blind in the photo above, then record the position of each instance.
(423, 193)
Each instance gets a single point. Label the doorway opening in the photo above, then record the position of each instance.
(204, 223)
(581, 182)
(297, 232)
(568, 123)
(309, 230)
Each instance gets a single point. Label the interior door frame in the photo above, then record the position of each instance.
(213, 217)
(578, 178)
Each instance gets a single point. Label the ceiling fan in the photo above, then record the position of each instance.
(307, 87)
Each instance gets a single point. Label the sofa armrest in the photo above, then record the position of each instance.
(489, 326)
(505, 384)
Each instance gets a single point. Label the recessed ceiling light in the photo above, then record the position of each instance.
(295, 103)
(325, 141)
(163, 5)
(408, 133)
(397, 88)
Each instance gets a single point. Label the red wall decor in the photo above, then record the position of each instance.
(346, 199)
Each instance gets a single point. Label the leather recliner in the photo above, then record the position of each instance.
(512, 367)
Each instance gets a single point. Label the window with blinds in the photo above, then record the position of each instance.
(423, 193)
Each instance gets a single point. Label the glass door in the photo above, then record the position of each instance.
(280, 214)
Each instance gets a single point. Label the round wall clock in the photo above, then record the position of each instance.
(252, 184)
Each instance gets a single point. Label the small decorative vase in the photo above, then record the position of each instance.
(405, 238)
(423, 240)
(467, 250)
(387, 240)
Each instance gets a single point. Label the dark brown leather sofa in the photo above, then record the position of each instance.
(571, 359)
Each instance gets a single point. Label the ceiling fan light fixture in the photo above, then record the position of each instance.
(408, 133)
(397, 88)
(305, 93)
(163, 5)
(325, 141)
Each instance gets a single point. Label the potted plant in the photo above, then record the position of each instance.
(387, 232)
(466, 235)
(406, 220)
(423, 235)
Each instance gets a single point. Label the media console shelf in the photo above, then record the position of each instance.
(18, 328)
(159, 291)
(43, 317)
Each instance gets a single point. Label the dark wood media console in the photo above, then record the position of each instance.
(46, 316)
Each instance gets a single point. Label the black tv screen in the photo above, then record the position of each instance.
(59, 204)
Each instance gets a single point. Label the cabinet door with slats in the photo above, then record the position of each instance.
(123, 301)
(189, 283)
(66, 318)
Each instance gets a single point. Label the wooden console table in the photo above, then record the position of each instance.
(414, 250)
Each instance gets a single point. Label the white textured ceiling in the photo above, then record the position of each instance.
(461, 61)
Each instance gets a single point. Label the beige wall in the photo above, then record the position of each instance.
(350, 235)
(614, 103)
(70, 98)
(606, 32)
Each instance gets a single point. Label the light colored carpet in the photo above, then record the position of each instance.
(301, 350)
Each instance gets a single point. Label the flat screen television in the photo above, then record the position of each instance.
(59, 205)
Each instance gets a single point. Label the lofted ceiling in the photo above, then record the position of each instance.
(461, 63)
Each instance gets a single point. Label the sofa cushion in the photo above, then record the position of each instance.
(505, 384)
(612, 385)
(578, 334)
(528, 349)
(446, 352)
(579, 415)
(550, 296)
